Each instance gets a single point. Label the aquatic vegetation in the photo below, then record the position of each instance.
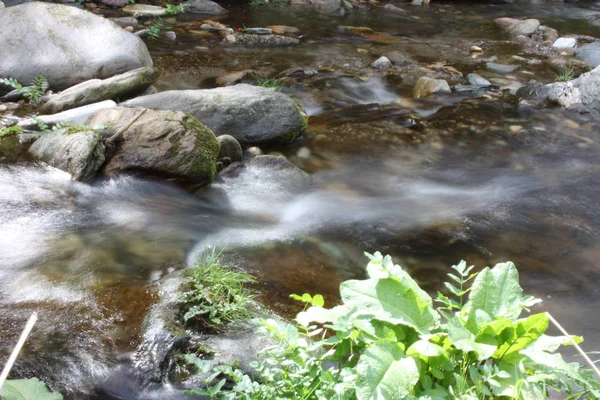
(174, 9)
(565, 75)
(31, 93)
(388, 341)
(214, 294)
(267, 82)
(155, 28)
(11, 130)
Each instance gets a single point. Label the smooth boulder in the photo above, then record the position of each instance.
(517, 27)
(203, 7)
(75, 116)
(590, 54)
(66, 45)
(426, 86)
(230, 148)
(167, 143)
(251, 114)
(96, 90)
(80, 153)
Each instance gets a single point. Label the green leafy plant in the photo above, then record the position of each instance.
(388, 341)
(155, 28)
(214, 294)
(267, 82)
(10, 131)
(31, 93)
(567, 74)
(26, 389)
(173, 9)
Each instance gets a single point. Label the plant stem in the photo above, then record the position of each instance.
(579, 349)
(17, 349)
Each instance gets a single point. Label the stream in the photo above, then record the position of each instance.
(430, 182)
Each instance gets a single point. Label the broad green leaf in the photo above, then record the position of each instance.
(385, 372)
(464, 340)
(522, 335)
(497, 292)
(27, 389)
(392, 301)
(425, 348)
(321, 315)
(318, 300)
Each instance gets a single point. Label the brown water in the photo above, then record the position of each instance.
(430, 182)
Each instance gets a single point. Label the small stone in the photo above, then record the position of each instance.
(426, 86)
(2, 106)
(517, 27)
(201, 48)
(252, 152)
(230, 38)
(125, 21)
(475, 49)
(203, 7)
(515, 128)
(382, 63)
(170, 36)
(141, 33)
(283, 29)
(476, 80)
(565, 42)
(392, 8)
(501, 68)
(129, 29)
(229, 148)
(1, 5)
(145, 10)
(303, 153)
(257, 31)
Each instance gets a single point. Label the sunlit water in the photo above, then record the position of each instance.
(429, 182)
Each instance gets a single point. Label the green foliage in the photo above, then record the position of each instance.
(267, 82)
(274, 3)
(388, 341)
(155, 28)
(214, 294)
(31, 93)
(173, 9)
(10, 131)
(567, 74)
(27, 389)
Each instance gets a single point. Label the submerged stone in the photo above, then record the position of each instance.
(426, 86)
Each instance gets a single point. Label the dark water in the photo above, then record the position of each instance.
(430, 182)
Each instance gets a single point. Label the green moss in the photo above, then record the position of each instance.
(293, 134)
(77, 128)
(13, 130)
(205, 166)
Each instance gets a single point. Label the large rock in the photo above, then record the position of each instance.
(426, 86)
(120, 86)
(66, 45)
(167, 143)
(79, 153)
(204, 7)
(76, 116)
(590, 54)
(517, 27)
(584, 90)
(251, 114)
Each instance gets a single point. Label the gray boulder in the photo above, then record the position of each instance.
(66, 45)
(75, 116)
(119, 86)
(145, 10)
(251, 114)
(168, 143)
(204, 7)
(426, 86)
(230, 148)
(81, 154)
(584, 90)
(517, 27)
(590, 54)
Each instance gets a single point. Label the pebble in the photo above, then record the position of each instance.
(3, 107)
(382, 63)
(303, 153)
(476, 80)
(565, 42)
(515, 128)
(230, 38)
(475, 49)
(170, 36)
(129, 29)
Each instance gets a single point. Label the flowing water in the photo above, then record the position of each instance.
(430, 182)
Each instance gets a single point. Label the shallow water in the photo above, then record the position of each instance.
(430, 182)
